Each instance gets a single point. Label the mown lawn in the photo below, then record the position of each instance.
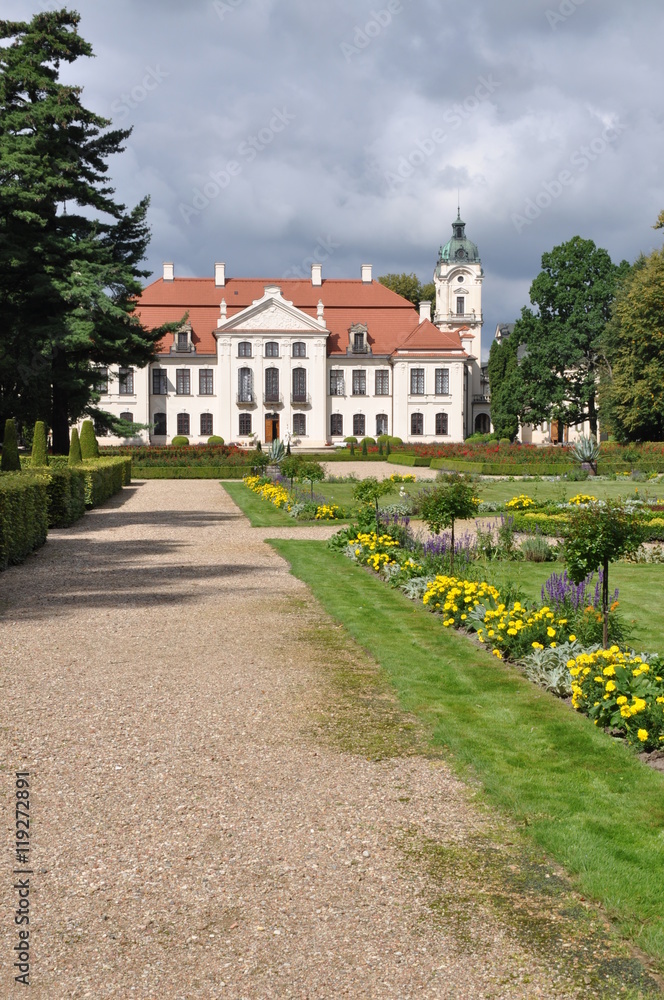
(581, 796)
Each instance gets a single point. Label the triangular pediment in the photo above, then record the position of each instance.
(272, 312)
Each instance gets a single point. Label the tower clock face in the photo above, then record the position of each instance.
(460, 254)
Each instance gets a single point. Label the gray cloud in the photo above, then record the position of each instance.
(372, 92)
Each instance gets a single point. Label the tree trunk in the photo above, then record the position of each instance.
(59, 416)
(605, 605)
(592, 417)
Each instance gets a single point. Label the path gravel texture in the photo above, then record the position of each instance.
(192, 836)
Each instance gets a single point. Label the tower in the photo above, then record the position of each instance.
(458, 281)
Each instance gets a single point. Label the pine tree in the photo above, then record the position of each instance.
(10, 460)
(89, 445)
(75, 457)
(69, 253)
(39, 449)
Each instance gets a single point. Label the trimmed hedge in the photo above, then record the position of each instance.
(195, 472)
(23, 516)
(501, 468)
(414, 461)
(65, 490)
(104, 477)
(457, 465)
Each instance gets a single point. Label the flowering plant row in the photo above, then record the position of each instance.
(277, 494)
(616, 688)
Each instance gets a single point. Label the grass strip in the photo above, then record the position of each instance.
(261, 513)
(581, 796)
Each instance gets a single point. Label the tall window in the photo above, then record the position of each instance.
(126, 381)
(271, 385)
(441, 424)
(359, 425)
(129, 417)
(159, 424)
(245, 385)
(300, 424)
(182, 382)
(299, 349)
(337, 385)
(205, 382)
(206, 424)
(183, 423)
(417, 381)
(359, 345)
(359, 382)
(245, 424)
(460, 305)
(299, 385)
(101, 384)
(183, 341)
(336, 425)
(416, 423)
(272, 349)
(442, 381)
(244, 349)
(159, 382)
(381, 424)
(382, 383)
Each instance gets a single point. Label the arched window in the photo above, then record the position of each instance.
(272, 349)
(183, 423)
(416, 423)
(244, 349)
(300, 424)
(381, 424)
(299, 349)
(272, 385)
(206, 424)
(245, 424)
(359, 425)
(441, 424)
(299, 385)
(245, 385)
(336, 425)
(129, 417)
(159, 424)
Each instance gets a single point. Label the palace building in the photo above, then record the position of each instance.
(310, 361)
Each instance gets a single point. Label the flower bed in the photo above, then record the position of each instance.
(304, 507)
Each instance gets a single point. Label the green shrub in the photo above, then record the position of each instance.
(23, 516)
(414, 461)
(10, 460)
(215, 439)
(65, 490)
(88, 441)
(104, 477)
(365, 450)
(75, 457)
(180, 441)
(39, 450)
(350, 440)
(537, 549)
(369, 441)
(197, 472)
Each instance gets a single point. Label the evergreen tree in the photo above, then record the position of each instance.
(39, 448)
(88, 439)
(10, 460)
(504, 385)
(75, 457)
(69, 254)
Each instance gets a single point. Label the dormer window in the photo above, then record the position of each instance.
(358, 339)
(182, 343)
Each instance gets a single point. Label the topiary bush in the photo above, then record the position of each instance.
(369, 441)
(88, 441)
(10, 461)
(75, 457)
(215, 440)
(350, 440)
(180, 441)
(23, 516)
(39, 450)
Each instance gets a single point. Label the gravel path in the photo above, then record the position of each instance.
(381, 470)
(192, 836)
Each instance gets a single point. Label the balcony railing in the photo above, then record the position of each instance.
(246, 399)
(273, 399)
(187, 348)
(300, 399)
(479, 398)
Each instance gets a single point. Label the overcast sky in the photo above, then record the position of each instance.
(269, 132)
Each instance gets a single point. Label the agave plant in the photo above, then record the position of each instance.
(276, 452)
(586, 451)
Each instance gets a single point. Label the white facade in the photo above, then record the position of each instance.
(351, 358)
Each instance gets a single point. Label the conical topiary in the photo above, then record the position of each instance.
(380, 447)
(39, 449)
(10, 460)
(88, 441)
(388, 450)
(74, 449)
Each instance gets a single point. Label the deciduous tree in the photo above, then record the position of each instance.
(409, 287)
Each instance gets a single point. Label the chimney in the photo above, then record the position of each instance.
(316, 274)
(425, 311)
(169, 271)
(220, 275)
(366, 274)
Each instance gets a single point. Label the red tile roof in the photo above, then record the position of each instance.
(392, 322)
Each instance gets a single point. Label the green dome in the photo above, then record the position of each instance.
(459, 249)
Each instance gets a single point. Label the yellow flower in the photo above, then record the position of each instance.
(610, 685)
(643, 735)
(496, 652)
(572, 638)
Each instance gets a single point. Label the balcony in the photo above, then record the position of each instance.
(300, 399)
(245, 399)
(479, 398)
(273, 399)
